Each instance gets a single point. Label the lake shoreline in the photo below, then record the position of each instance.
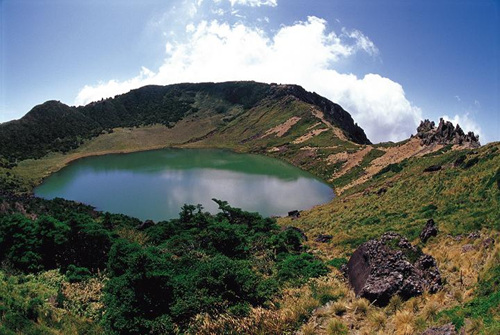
(35, 171)
(154, 184)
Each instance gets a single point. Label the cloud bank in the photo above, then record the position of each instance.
(254, 3)
(304, 53)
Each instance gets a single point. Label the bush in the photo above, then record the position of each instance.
(299, 268)
(395, 168)
(76, 274)
(48, 243)
(337, 262)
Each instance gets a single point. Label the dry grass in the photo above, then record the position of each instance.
(84, 298)
(336, 327)
(308, 329)
(377, 320)
(338, 308)
(361, 306)
(404, 323)
(394, 305)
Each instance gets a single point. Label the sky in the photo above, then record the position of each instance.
(389, 63)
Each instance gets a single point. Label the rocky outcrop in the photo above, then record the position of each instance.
(428, 231)
(445, 134)
(390, 265)
(432, 168)
(323, 238)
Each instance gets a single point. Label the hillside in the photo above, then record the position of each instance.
(279, 282)
(54, 126)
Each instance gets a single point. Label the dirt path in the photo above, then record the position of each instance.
(309, 135)
(281, 129)
(392, 155)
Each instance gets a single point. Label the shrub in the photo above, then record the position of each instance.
(77, 274)
(337, 262)
(299, 268)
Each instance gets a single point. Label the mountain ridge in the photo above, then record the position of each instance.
(54, 126)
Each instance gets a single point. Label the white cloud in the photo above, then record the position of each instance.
(362, 42)
(304, 53)
(254, 3)
(467, 124)
(113, 87)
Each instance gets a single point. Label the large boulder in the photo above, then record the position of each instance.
(390, 265)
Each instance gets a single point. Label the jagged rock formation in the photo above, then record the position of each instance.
(382, 268)
(445, 134)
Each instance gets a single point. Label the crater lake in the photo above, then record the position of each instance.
(156, 184)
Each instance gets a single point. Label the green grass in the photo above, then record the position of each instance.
(32, 304)
(459, 200)
(485, 306)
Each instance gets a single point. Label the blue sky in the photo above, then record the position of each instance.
(389, 63)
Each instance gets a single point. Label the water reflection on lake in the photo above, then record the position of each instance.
(155, 184)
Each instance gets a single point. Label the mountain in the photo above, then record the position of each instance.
(54, 126)
(414, 227)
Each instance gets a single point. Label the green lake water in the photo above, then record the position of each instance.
(155, 184)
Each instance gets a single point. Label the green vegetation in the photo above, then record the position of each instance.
(199, 263)
(484, 307)
(460, 200)
(67, 269)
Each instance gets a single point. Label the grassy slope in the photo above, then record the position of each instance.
(460, 200)
(234, 129)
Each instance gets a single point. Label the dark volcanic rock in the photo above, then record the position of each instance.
(380, 269)
(467, 248)
(445, 134)
(432, 168)
(447, 329)
(428, 231)
(474, 235)
(294, 214)
(459, 160)
(323, 238)
(488, 242)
